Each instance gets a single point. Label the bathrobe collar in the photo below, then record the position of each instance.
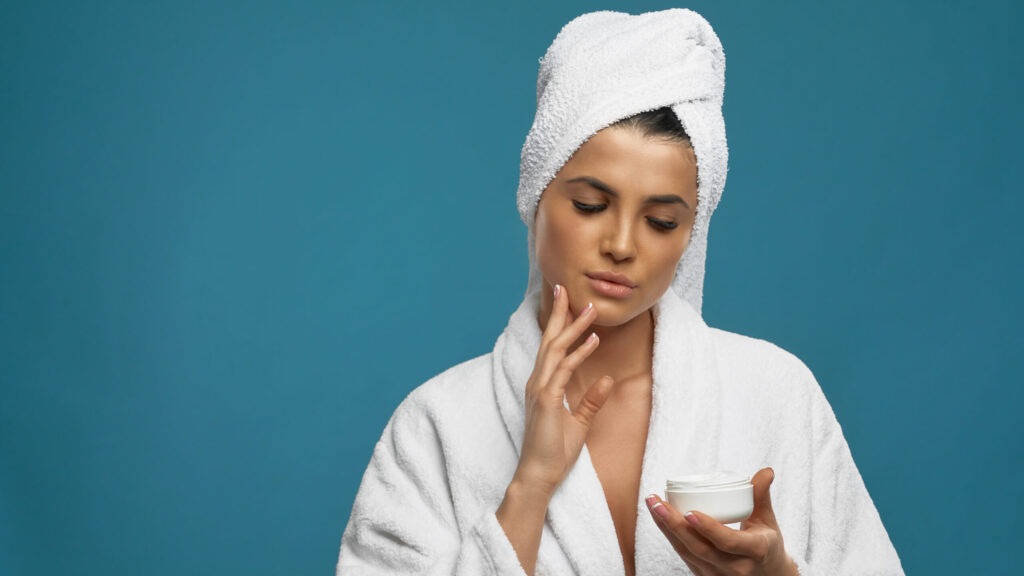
(683, 436)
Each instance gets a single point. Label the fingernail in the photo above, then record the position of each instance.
(591, 338)
(557, 290)
(589, 306)
(651, 500)
(692, 518)
(661, 511)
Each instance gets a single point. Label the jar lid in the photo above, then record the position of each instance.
(724, 480)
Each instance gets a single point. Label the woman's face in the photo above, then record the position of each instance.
(623, 204)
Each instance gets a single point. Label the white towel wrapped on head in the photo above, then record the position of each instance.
(606, 66)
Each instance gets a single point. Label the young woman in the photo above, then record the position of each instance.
(536, 457)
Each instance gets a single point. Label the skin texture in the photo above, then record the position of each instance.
(607, 378)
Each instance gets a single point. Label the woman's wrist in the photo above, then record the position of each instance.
(531, 494)
(521, 515)
(532, 485)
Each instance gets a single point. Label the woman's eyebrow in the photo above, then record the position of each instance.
(662, 199)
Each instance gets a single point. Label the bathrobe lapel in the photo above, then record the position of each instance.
(685, 429)
(683, 436)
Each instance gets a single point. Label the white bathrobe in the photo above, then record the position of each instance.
(721, 401)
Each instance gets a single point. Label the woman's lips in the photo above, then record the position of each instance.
(610, 289)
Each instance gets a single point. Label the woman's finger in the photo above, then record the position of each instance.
(558, 380)
(575, 329)
(763, 511)
(697, 565)
(557, 347)
(556, 323)
(559, 317)
(753, 545)
(593, 400)
(686, 539)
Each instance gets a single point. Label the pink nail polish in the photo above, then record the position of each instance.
(651, 500)
(692, 519)
(557, 290)
(661, 511)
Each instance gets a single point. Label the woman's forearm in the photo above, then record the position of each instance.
(521, 515)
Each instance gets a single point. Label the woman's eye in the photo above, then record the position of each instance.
(589, 207)
(659, 224)
(663, 225)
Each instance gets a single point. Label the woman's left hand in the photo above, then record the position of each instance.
(711, 548)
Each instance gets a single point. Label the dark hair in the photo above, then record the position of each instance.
(660, 123)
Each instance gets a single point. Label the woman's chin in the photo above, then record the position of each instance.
(610, 316)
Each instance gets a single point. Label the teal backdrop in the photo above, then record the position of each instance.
(234, 236)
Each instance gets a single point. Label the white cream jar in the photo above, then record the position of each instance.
(725, 496)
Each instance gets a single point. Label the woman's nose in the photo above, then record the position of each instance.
(618, 242)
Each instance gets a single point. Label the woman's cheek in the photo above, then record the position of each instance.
(564, 241)
(667, 272)
(554, 259)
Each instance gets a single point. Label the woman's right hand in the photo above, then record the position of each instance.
(554, 437)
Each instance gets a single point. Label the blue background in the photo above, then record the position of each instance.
(234, 236)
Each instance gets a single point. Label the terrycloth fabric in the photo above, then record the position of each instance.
(427, 502)
(605, 66)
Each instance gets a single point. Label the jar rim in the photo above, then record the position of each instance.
(710, 481)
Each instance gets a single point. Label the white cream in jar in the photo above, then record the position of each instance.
(725, 496)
